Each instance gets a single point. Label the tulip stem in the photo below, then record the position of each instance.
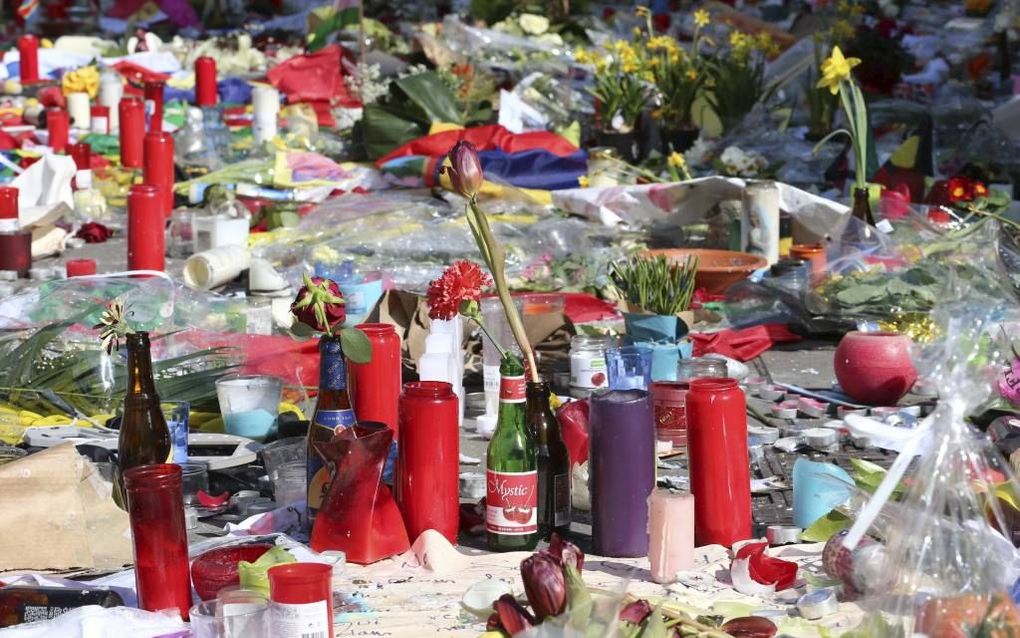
(485, 331)
(495, 259)
(679, 618)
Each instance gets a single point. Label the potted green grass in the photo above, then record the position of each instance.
(655, 294)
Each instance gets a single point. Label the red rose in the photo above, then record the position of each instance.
(324, 294)
(94, 233)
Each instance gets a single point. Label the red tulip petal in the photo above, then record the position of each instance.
(765, 569)
(208, 500)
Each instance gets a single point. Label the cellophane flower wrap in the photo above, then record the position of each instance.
(948, 508)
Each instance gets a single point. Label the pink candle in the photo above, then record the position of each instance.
(28, 51)
(670, 533)
(158, 168)
(58, 124)
(132, 132)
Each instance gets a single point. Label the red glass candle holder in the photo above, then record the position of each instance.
(358, 515)
(156, 509)
(158, 169)
(718, 462)
(670, 415)
(154, 104)
(58, 125)
(302, 600)
(146, 237)
(81, 153)
(131, 113)
(375, 386)
(428, 459)
(205, 81)
(28, 52)
(15, 242)
(80, 267)
(100, 119)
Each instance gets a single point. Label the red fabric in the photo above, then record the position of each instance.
(313, 77)
(742, 345)
(7, 142)
(485, 138)
(296, 362)
(583, 307)
(138, 73)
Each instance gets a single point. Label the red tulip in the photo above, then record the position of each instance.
(544, 584)
(465, 169)
(512, 617)
(750, 627)
(566, 552)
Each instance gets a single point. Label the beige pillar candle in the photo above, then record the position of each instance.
(671, 533)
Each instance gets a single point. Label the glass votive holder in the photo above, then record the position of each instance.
(629, 367)
(249, 404)
(237, 614)
(291, 483)
(194, 477)
(700, 368)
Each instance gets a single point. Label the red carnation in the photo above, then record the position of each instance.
(94, 233)
(461, 282)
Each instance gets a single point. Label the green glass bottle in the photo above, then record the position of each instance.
(511, 495)
(553, 463)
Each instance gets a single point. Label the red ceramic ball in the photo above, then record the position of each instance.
(875, 367)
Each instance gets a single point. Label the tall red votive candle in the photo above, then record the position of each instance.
(154, 104)
(132, 132)
(15, 242)
(717, 461)
(58, 124)
(428, 459)
(28, 51)
(81, 153)
(146, 236)
(158, 168)
(156, 510)
(205, 81)
(375, 386)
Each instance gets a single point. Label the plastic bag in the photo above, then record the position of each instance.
(949, 538)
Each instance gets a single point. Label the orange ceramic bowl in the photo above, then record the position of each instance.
(717, 269)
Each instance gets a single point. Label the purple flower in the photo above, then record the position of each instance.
(1009, 383)
(544, 584)
(465, 169)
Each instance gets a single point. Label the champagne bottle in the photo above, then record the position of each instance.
(144, 436)
(552, 460)
(511, 497)
(333, 411)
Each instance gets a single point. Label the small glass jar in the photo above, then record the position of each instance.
(588, 370)
(793, 275)
(604, 167)
(700, 368)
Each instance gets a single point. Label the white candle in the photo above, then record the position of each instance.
(759, 231)
(111, 89)
(671, 533)
(80, 110)
(265, 109)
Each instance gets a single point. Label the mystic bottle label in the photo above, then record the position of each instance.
(511, 502)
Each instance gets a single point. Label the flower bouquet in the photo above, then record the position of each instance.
(737, 79)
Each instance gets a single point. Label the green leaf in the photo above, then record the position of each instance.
(382, 130)
(301, 330)
(825, 527)
(655, 626)
(356, 346)
(428, 92)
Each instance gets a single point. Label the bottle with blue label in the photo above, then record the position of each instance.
(333, 411)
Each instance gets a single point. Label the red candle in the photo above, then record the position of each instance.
(375, 386)
(428, 459)
(132, 132)
(15, 243)
(154, 104)
(100, 120)
(205, 81)
(81, 153)
(146, 236)
(668, 406)
(302, 596)
(718, 461)
(80, 267)
(58, 124)
(28, 51)
(156, 509)
(158, 168)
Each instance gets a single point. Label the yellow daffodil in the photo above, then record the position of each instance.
(647, 76)
(642, 11)
(701, 18)
(583, 181)
(692, 74)
(842, 30)
(636, 31)
(835, 70)
(676, 160)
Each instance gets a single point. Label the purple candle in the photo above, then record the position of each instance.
(621, 464)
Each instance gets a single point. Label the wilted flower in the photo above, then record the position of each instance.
(461, 283)
(566, 552)
(319, 304)
(93, 233)
(510, 616)
(750, 627)
(465, 169)
(544, 584)
(113, 326)
(636, 612)
(752, 568)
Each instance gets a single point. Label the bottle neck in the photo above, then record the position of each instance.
(139, 364)
(862, 206)
(332, 365)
